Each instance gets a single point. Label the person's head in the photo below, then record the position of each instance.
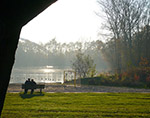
(32, 80)
(28, 79)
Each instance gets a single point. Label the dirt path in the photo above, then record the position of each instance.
(64, 88)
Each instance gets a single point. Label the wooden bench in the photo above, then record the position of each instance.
(37, 86)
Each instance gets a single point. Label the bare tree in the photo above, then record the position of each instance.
(123, 18)
(83, 64)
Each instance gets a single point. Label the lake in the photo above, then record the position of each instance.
(45, 74)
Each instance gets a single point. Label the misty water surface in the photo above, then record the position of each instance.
(46, 74)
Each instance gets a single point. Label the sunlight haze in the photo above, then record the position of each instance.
(65, 20)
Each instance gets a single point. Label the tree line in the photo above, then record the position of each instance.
(53, 53)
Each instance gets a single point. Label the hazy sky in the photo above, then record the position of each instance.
(65, 20)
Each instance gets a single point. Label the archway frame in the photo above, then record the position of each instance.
(14, 14)
(70, 71)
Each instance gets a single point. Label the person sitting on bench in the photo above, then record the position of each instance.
(30, 84)
(33, 83)
(27, 83)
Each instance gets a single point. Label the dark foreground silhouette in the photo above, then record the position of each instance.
(14, 14)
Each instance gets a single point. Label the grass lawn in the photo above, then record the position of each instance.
(77, 105)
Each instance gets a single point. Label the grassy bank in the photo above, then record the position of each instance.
(77, 105)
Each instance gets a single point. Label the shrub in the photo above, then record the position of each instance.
(135, 77)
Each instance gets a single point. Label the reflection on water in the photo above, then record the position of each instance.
(46, 74)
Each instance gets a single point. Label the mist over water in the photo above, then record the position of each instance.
(32, 58)
(43, 74)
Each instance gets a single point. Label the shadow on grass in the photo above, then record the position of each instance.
(27, 96)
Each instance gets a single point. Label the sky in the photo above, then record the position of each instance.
(66, 21)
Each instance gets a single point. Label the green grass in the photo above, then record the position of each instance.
(77, 105)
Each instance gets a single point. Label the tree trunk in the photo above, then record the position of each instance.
(13, 15)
